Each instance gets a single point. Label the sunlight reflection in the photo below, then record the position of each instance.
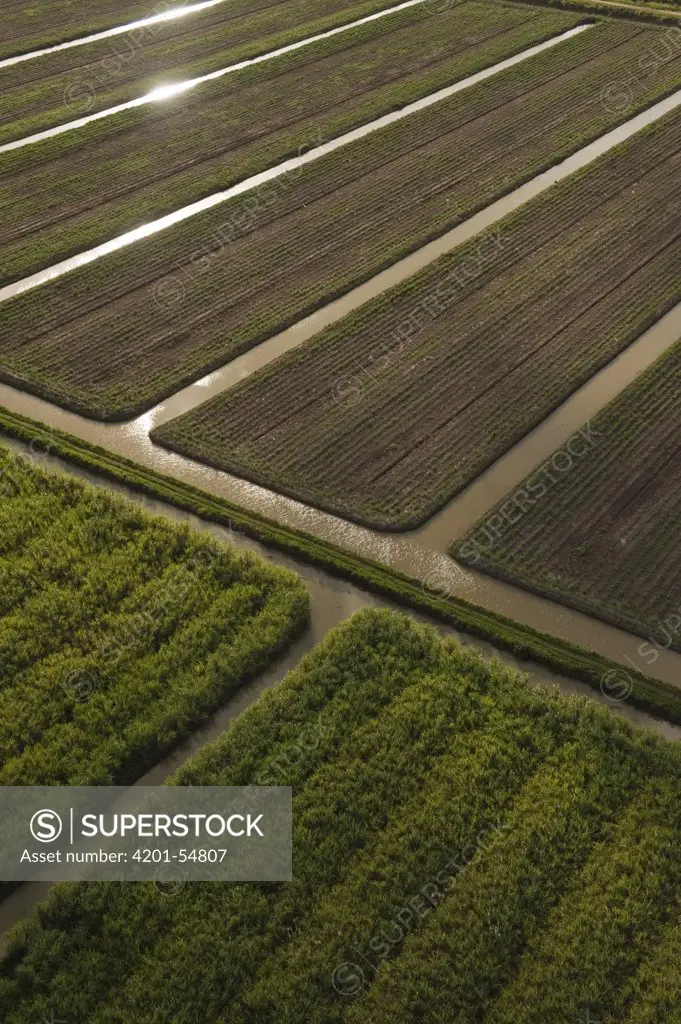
(165, 92)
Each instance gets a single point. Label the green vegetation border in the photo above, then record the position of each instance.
(652, 695)
(655, 14)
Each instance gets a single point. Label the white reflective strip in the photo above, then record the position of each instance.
(292, 164)
(164, 92)
(155, 19)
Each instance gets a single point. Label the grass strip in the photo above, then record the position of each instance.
(654, 992)
(646, 12)
(657, 697)
(443, 373)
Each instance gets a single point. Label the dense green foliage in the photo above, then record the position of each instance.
(606, 537)
(652, 695)
(119, 632)
(464, 847)
(645, 11)
(55, 200)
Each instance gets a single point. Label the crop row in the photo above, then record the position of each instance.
(28, 27)
(118, 632)
(606, 538)
(446, 818)
(42, 93)
(98, 339)
(549, 926)
(374, 417)
(55, 199)
(569, 660)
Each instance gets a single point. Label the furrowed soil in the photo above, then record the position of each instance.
(69, 84)
(385, 416)
(465, 849)
(28, 26)
(71, 192)
(113, 337)
(604, 535)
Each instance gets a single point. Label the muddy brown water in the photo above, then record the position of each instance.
(332, 601)
(179, 11)
(162, 93)
(533, 450)
(637, 7)
(406, 552)
(420, 554)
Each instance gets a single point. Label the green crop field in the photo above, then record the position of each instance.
(134, 325)
(71, 83)
(569, 660)
(464, 849)
(29, 24)
(119, 633)
(386, 415)
(471, 845)
(604, 537)
(56, 200)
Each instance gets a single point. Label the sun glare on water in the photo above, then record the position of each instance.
(165, 92)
